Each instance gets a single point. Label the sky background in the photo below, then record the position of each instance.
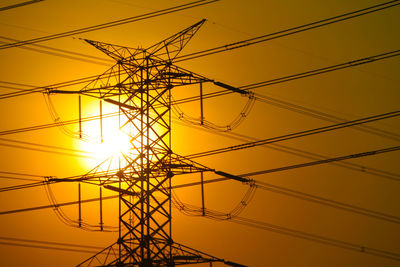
(353, 93)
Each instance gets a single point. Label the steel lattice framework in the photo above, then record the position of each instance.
(140, 83)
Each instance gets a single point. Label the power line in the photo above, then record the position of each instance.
(248, 87)
(46, 181)
(55, 124)
(303, 153)
(18, 178)
(297, 134)
(281, 148)
(112, 23)
(47, 242)
(69, 152)
(217, 215)
(286, 191)
(239, 44)
(235, 45)
(324, 161)
(322, 116)
(23, 186)
(290, 150)
(329, 160)
(46, 146)
(340, 66)
(47, 151)
(307, 197)
(311, 197)
(42, 89)
(47, 247)
(20, 4)
(315, 238)
(268, 227)
(62, 53)
(58, 205)
(292, 77)
(19, 84)
(290, 31)
(295, 108)
(251, 86)
(22, 174)
(225, 92)
(328, 202)
(215, 94)
(236, 136)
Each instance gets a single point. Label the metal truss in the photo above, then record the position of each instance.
(140, 84)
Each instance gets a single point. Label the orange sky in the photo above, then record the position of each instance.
(352, 93)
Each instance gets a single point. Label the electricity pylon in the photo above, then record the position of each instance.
(140, 84)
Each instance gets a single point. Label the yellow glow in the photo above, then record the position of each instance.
(103, 139)
(114, 142)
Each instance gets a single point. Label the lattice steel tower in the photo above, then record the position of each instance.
(140, 84)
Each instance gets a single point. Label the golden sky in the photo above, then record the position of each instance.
(352, 93)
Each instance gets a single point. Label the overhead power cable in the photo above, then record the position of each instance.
(302, 153)
(291, 192)
(290, 150)
(48, 151)
(328, 202)
(46, 148)
(297, 135)
(47, 181)
(73, 55)
(324, 161)
(50, 125)
(311, 197)
(215, 215)
(322, 115)
(210, 95)
(248, 87)
(308, 197)
(315, 238)
(274, 81)
(292, 77)
(240, 137)
(23, 186)
(47, 242)
(18, 84)
(348, 64)
(47, 247)
(276, 229)
(18, 178)
(20, 4)
(43, 89)
(225, 92)
(62, 53)
(288, 106)
(22, 174)
(58, 205)
(290, 31)
(111, 24)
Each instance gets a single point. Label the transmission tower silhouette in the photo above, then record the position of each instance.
(140, 84)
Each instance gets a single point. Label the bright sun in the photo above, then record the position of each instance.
(103, 139)
(114, 142)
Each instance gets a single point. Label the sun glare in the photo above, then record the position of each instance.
(114, 142)
(104, 139)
